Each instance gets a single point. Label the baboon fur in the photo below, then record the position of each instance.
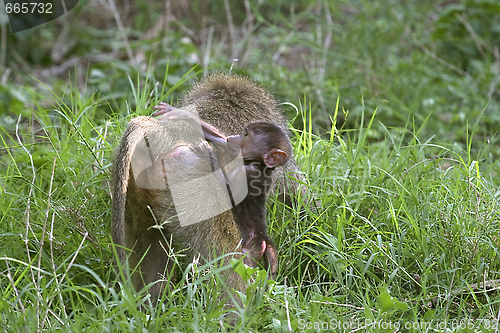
(228, 102)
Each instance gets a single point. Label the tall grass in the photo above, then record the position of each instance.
(399, 231)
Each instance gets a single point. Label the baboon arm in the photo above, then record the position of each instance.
(271, 258)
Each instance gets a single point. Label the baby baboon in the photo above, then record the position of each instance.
(146, 203)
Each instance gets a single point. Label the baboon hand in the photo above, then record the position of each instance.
(167, 111)
(261, 247)
(162, 108)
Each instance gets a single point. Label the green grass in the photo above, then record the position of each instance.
(400, 223)
(394, 107)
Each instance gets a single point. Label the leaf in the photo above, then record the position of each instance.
(387, 302)
(243, 270)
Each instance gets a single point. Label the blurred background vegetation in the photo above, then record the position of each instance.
(412, 61)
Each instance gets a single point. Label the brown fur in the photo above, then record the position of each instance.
(230, 103)
(227, 102)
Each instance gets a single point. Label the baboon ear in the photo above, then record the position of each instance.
(274, 158)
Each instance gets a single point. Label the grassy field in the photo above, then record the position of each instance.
(395, 114)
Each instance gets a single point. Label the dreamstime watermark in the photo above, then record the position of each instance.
(363, 324)
(25, 15)
(183, 162)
